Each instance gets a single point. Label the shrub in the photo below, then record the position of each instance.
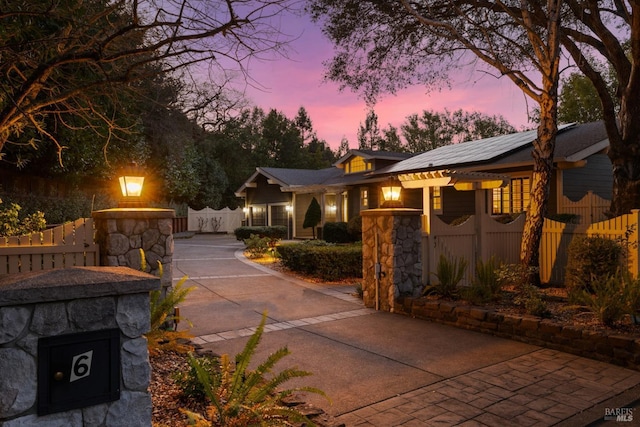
(57, 210)
(591, 257)
(274, 232)
(609, 297)
(241, 397)
(14, 224)
(528, 296)
(257, 246)
(449, 274)
(486, 285)
(323, 260)
(515, 275)
(354, 226)
(313, 216)
(336, 232)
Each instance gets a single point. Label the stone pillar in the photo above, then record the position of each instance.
(122, 232)
(391, 239)
(46, 304)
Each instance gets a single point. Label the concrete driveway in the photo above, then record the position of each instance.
(382, 369)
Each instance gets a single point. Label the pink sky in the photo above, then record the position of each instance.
(298, 81)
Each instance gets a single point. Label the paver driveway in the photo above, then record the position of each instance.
(382, 369)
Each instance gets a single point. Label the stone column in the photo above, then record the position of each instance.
(391, 245)
(66, 302)
(122, 232)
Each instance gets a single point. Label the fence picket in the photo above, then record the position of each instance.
(71, 244)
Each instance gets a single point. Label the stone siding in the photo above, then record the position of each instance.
(66, 301)
(391, 238)
(122, 232)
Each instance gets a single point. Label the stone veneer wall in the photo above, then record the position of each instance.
(57, 302)
(398, 251)
(122, 232)
(618, 349)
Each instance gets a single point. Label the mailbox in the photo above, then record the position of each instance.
(78, 370)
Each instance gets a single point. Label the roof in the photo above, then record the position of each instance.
(574, 144)
(290, 178)
(373, 155)
(316, 179)
(469, 153)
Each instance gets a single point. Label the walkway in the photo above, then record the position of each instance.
(381, 369)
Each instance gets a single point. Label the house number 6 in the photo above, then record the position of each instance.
(81, 366)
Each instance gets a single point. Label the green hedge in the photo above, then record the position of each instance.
(336, 232)
(276, 232)
(323, 260)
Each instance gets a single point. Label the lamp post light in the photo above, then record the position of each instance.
(391, 191)
(131, 182)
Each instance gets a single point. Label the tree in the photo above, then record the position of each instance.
(434, 129)
(390, 140)
(385, 46)
(369, 134)
(79, 57)
(343, 148)
(578, 100)
(611, 30)
(312, 216)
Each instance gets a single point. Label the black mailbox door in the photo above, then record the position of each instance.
(78, 370)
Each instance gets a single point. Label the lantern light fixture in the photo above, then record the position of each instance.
(131, 183)
(391, 191)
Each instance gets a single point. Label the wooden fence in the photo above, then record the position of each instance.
(208, 220)
(69, 245)
(481, 238)
(591, 208)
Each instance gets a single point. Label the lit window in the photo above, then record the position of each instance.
(357, 164)
(436, 199)
(364, 197)
(513, 198)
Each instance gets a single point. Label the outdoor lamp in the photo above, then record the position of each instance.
(391, 194)
(131, 182)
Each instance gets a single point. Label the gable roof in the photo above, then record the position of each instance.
(303, 180)
(470, 153)
(372, 155)
(287, 178)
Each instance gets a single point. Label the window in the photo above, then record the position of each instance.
(258, 216)
(436, 199)
(279, 215)
(513, 198)
(357, 164)
(364, 198)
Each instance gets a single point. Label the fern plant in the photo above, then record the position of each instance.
(163, 312)
(486, 284)
(242, 397)
(449, 274)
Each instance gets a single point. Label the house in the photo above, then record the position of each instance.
(502, 167)
(468, 187)
(279, 196)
